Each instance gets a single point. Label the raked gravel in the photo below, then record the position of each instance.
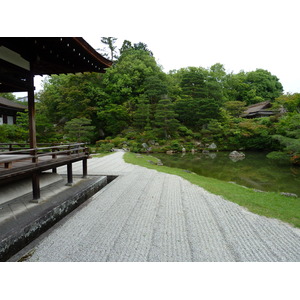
(145, 215)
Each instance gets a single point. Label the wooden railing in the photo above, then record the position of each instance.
(36, 160)
(24, 153)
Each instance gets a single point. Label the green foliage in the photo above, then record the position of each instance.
(114, 118)
(127, 79)
(104, 146)
(136, 100)
(66, 97)
(235, 108)
(291, 102)
(277, 155)
(8, 96)
(141, 116)
(288, 135)
(110, 44)
(79, 130)
(266, 85)
(11, 133)
(252, 87)
(45, 130)
(196, 112)
(165, 119)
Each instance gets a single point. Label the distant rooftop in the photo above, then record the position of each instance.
(261, 109)
(11, 104)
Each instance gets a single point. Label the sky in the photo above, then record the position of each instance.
(241, 35)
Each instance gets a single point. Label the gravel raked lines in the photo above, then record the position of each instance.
(170, 240)
(145, 215)
(206, 239)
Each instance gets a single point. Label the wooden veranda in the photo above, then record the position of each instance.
(20, 60)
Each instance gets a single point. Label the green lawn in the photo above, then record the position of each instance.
(269, 204)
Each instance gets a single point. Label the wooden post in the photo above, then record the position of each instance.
(36, 187)
(32, 137)
(70, 173)
(31, 112)
(84, 168)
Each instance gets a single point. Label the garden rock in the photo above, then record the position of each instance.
(236, 154)
(212, 146)
(159, 163)
(289, 194)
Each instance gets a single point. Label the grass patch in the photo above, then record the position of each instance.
(269, 204)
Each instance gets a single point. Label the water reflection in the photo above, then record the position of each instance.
(236, 158)
(254, 170)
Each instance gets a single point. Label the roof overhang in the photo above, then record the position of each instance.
(21, 58)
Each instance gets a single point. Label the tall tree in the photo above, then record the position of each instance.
(155, 87)
(125, 46)
(141, 117)
(126, 80)
(114, 118)
(266, 85)
(79, 130)
(165, 119)
(110, 44)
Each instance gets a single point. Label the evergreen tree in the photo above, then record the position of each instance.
(79, 130)
(110, 43)
(165, 119)
(141, 117)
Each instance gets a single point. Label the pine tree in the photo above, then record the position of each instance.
(141, 118)
(165, 119)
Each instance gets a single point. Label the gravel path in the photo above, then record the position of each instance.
(145, 215)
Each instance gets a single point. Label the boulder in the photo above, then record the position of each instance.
(212, 146)
(236, 154)
(159, 163)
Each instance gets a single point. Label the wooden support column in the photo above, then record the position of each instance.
(84, 168)
(31, 112)
(32, 137)
(70, 173)
(36, 187)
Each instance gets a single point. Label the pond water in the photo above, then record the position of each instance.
(254, 171)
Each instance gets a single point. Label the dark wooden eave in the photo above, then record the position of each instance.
(46, 56)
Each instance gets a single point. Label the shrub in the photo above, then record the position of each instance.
(277, 155)
(104, 146)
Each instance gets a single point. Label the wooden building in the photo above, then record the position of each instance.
(258, 110)
(9, 110)
(21, 58)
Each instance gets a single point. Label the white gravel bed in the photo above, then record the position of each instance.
(145, 215)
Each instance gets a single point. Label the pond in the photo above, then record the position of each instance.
(254, 171)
